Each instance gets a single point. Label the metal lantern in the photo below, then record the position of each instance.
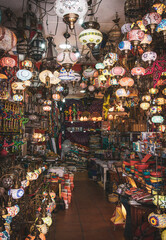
(152, 19)
(135, 36)
(164, 91)
(8, 39)
(110, 59)
(8, 62)
(67, 59)
(146, 41)
(117, 71)
(149, 56)
(37, 47)
(157, 119)
(145, 105)
(90, 37)
(126, 82)
(71, 10)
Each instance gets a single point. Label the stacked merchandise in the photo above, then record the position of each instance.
(76, 158)
(95, 142)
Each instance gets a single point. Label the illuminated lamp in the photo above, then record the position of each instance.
(145, 105)
(83, 85)
(8, 62)
(89, 72)
(117, 71)
(8, 39)
(113, 82)
(46, 108)
(110, 117)
(110, 59)
(48, 78)
(149, 57)
(157, 119)
(106, 73)
(16, 193)
(3, 76)
(126, 28)
(26, 63)
(138, 71)
(99, 66)
(135, 36)
(67, 59)
(152, 19)
(126, 82)
(91, 88)
(66, 76)
(146, 98)
(155, 109)
(17, 98)
(162, 128)
(146, 41)
(71, 10)
(18, 86)
(160, 101)
(59, 89)
(159, 6)
(56, 97)
(90, 37)
(153, 91)
(121, 92)
(125, 46)
(102, 78)
(47, 102)
(161, 27)
(164, 91)
(37, 47)
(24, 74)
(27, 83)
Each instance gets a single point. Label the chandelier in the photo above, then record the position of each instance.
(71, 10)
(67, 59)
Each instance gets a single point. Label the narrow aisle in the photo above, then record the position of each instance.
(88, 216)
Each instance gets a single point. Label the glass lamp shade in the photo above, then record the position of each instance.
(8, 62)
(66, 76)
(91, 88)
(4, 94)
(26, 64)
(101, 78)
(3, 76)
(149, 56)
(126, 82)
(145, 105)
(155, 109)
(159, 7)
(135, 36)
(90, 37)
(17, 98)
(47, 220)
(117, 71)
(24, 74)
(157, 119)
(48, 78)
(46, 108)
(16, 193)
(18, 86)
(67, 59)
(71, 10)
(8, 39)
(59, 89)
(126, 28)
(110, 117)
(106, 72)
(162, 128)
(13, 211)
(113, 82)
(146, 98)
(125, 46)
(160, 101)
(89, 72)
(47, 102)
(152, 19)
(83, 85)
(121, 92)
(99, 66)
(138, 71)
(164, 91)
(157, 220)
(146, 41)
(153, 91)
(161, 26)
(110, 59)
(27, 83)
(56, 97)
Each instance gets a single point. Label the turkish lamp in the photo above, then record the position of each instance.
(71, 10)
(145, 105)
(67, 59)
(158, 119)
(160, 100)
(121, 92)
(152, 19)
(146, 98)
(100, 67)
(126, 82)
(153, 91)
(161, 27)
(126, 28)
(27, 64)
(164, 91)
(8, 62)
(135, 36)
(149, 56)
(90, 37)
(159, 6)
(146, 41)
(125, 46)
(110, 59)
(138, 71)
(117, 71)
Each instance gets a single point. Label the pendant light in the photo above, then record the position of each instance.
(152, 19)
(135, 36)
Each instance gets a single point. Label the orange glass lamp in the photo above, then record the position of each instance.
(8, 62)
(126, 82)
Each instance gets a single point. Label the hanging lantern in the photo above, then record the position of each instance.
(26, 64)
(155, 109)
(125, 46)
(126, 82)
(37, 47)
(113, 82)
(48, 78)
(161, 27)
(152, 19)
(164, 91)
(71, 10)
(149, 57)
(8, 62)
(17, 98)
(121, 92)
(110, 59)
(8, 39)
(66, 76)
(101, 79)
(153, 91)
(24, 74)
(67, 59)
(56, 97)
(99, 66)
(157, 119)
(159, 7)
(89, 72)
(160, 101)
(106, 73)
(117, 71)
(145, 105)
(47, 102)
(59, 89)
(146, 98)
(146, 41)
(138, 71)
(46, 108)
(135, 36)
(18, 86)
(157, 220)
(126, 28)
(90, 37)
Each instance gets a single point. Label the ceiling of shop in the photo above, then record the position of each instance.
(105, 14)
